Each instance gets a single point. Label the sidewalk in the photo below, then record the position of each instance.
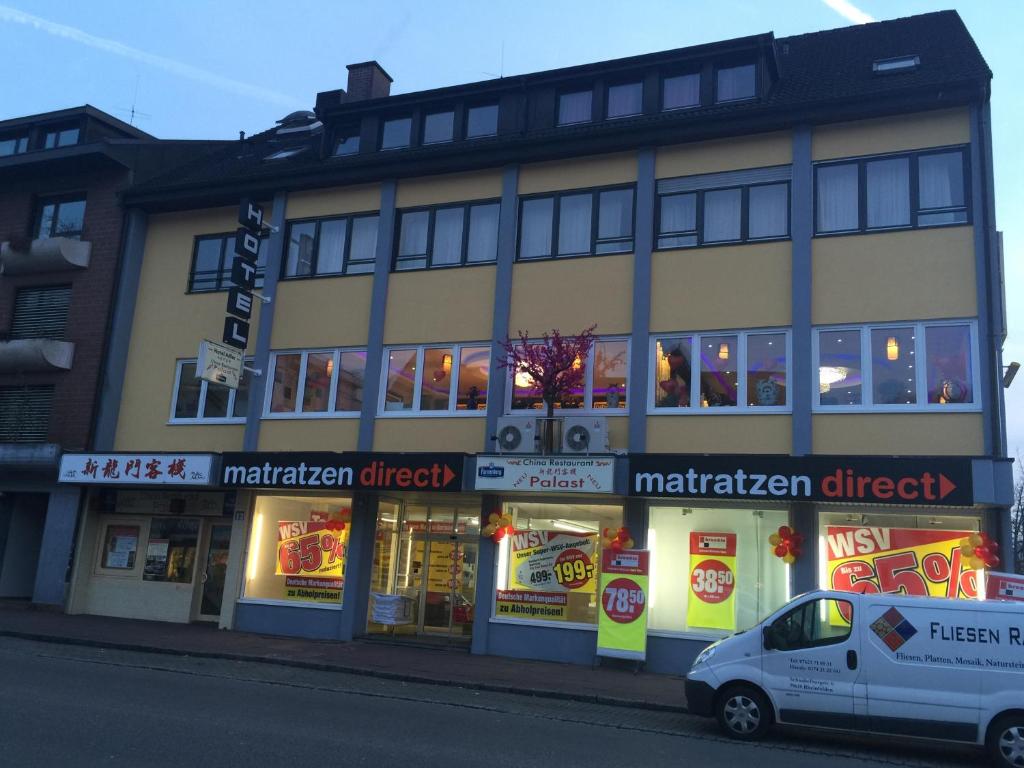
(394, 661)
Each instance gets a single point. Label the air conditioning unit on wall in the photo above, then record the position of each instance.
(585, 434)
(517, 434)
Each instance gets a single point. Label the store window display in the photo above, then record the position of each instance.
(298, 547)
(548, 566)
(712, 570)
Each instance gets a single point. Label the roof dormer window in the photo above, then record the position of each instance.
(897, 64)
(736, 83)
(397, 133)
(575, 107)
(60, 137)
(281, 154)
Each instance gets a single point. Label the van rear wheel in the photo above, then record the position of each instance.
(1006, 741)
(744, 712)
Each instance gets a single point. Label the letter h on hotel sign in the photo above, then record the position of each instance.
(243, 274)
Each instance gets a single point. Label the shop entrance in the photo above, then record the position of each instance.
(423, 582)
(212, 569)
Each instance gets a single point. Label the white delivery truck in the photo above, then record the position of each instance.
(888, 664)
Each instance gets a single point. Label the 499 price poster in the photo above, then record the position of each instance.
(905, 560)
(712, 599)
(545, 567)
(311, 557)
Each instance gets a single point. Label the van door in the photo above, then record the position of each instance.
(923, 667)
(811, 662)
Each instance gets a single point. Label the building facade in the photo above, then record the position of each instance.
(787, 247)
(60, 242)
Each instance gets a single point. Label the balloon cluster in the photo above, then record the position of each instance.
(787, 544)
(616, 540)
(334, 525)
(497, 526)
(980, 551)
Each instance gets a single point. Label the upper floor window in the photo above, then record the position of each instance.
(316, 383)
(898, 366)
(439, 127)
(895, 191)
(739, 214)
(13, 145)
(680, 91)
(448, 236)
(625, 100)
(346, 143)
(745, 370)
(397, 133)
(576, 223)
(605, 382)
(197, 400)
(735, 83)
(345, 245)
(40, 312)
(482, 120)
(60, 217)
(60, 137)
(436, 380)
(212, 257)
(25, 413)
(575, 107)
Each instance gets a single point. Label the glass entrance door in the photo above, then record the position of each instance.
(424, 570)
(211, 593)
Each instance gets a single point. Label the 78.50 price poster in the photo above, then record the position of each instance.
(711, 603)
(909, 561)
(545, 567)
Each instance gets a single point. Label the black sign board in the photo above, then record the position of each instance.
(942, 481)
(243, 274)
(250, 215)
(344, 471)
(239, 303)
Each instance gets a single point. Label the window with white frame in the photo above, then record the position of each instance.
(436, 380)
(721, 371)
(196, 400)
(315, 383)
(604, 387)
(898, 366)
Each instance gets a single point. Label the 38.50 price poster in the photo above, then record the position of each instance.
(545, 567)
(712, 599)
(908, 561)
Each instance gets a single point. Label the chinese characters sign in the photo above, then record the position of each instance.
(136, 468)
(581, 474)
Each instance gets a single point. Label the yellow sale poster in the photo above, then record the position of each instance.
(552, 575)
(311, 557)
(907, 561)
(712, 599)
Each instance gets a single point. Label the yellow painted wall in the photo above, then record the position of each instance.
(618, 431)
(322, 312)
(572, 294)
(450, 188)
(758, 151)
(906, 434)
(596, 171)
(906, 275)
(168, 325)
(363, 198)
(430, 434)
(743, 286)
(429, 306)
(891, 134)
(719, 434)
(309, 434)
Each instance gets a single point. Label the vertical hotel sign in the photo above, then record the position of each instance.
(243, 275)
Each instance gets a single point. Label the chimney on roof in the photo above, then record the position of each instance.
(367, 81)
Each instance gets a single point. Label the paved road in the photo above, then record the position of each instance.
(75, 706)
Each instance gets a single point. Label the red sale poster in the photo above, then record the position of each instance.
(712, 598)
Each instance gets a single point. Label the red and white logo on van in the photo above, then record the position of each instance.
(893, 630)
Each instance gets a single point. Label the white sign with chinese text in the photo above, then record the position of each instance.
(136, 468)
(550, 474)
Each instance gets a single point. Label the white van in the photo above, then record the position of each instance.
(888, 664)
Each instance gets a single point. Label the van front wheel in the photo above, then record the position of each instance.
(744, 712)
(1006, 741)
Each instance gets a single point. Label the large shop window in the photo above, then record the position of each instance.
(337, 246)
(448, 236)
(196, 400)
(548, 566)
(712, 570)
(715, 216)
(899, 552)
(316, 383)
(577, 223)
(741, 370)
(436, 381)
(921, 189)
(298, 548)
(604, 387)
(903, 367)
(212, 257)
